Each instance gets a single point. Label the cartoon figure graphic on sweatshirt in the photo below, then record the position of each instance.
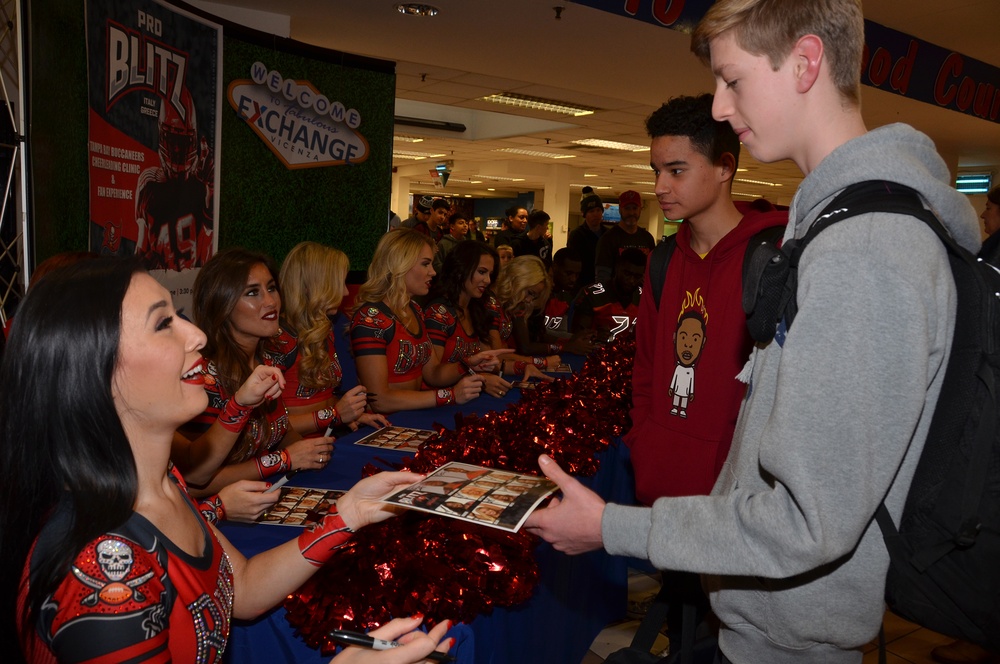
(689, 340)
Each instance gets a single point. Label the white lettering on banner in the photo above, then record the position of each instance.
(300, 125)
(136, 62)
(304, 95)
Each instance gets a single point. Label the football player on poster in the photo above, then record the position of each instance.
(174, 201)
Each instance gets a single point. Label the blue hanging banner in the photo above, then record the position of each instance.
(907, 66)
(893, 61)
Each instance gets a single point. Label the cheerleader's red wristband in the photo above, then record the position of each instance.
(325, 418)
(234, 416)
(318, 542)
(212, 509)
(273, 463)
(445, 396)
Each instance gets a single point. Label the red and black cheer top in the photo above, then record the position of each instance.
(132, 596)
(376, 331)
(445, 331)
(295, 393)
(264, 432)
(501, 321)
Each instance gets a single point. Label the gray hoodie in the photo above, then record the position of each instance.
(835, 417)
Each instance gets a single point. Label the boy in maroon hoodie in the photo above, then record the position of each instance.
(694, 159)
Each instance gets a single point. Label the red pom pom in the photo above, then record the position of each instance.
(450, 569)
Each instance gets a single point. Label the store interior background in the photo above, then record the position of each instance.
(624, 67)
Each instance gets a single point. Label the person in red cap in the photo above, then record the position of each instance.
(624, 235)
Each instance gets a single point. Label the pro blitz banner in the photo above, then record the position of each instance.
(154, 96)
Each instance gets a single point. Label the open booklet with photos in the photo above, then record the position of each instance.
(299, 506)
(487, 496)
(401, 439)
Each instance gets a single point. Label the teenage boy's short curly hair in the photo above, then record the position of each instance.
(692, 117)
(771, 27)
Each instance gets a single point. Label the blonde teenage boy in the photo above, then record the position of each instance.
(837, 410)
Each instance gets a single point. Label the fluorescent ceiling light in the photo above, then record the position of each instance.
(760, 182)
(539, 104)
(535, 153)
(974, 183)
(637, 167)
(407, 139)
(612, 145)
(645, 184)
(590, 175)
(588, 185)
(740, 193)
(498, 178)
(461, 181)
(407, 154)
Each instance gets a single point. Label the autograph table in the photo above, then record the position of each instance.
(577, 596)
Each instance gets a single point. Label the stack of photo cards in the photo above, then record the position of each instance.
(298, 506)
(401, 439)
(495, 498)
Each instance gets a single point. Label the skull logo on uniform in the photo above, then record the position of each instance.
(115, 559)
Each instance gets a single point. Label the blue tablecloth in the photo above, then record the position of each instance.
(576, 598)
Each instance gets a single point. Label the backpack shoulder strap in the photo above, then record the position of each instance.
(770, 236)
(856, 199)
(658, 261)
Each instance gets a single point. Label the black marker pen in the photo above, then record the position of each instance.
(365, 641)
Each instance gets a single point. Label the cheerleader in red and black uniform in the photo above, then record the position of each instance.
(458, 321)
(523, 287)
(313, 285)
(105, 557)
(391, 347)
(240, 442)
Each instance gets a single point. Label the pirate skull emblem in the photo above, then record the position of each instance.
(115, 559)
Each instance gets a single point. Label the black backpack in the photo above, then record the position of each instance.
(944, 569)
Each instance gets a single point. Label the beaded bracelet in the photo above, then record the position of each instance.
(325, 418)
(444, 397)
(556, 348)
(273, 463)
(540, 362)
(234, 416)
(519, 367)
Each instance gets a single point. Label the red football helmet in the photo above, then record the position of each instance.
(178, 136)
